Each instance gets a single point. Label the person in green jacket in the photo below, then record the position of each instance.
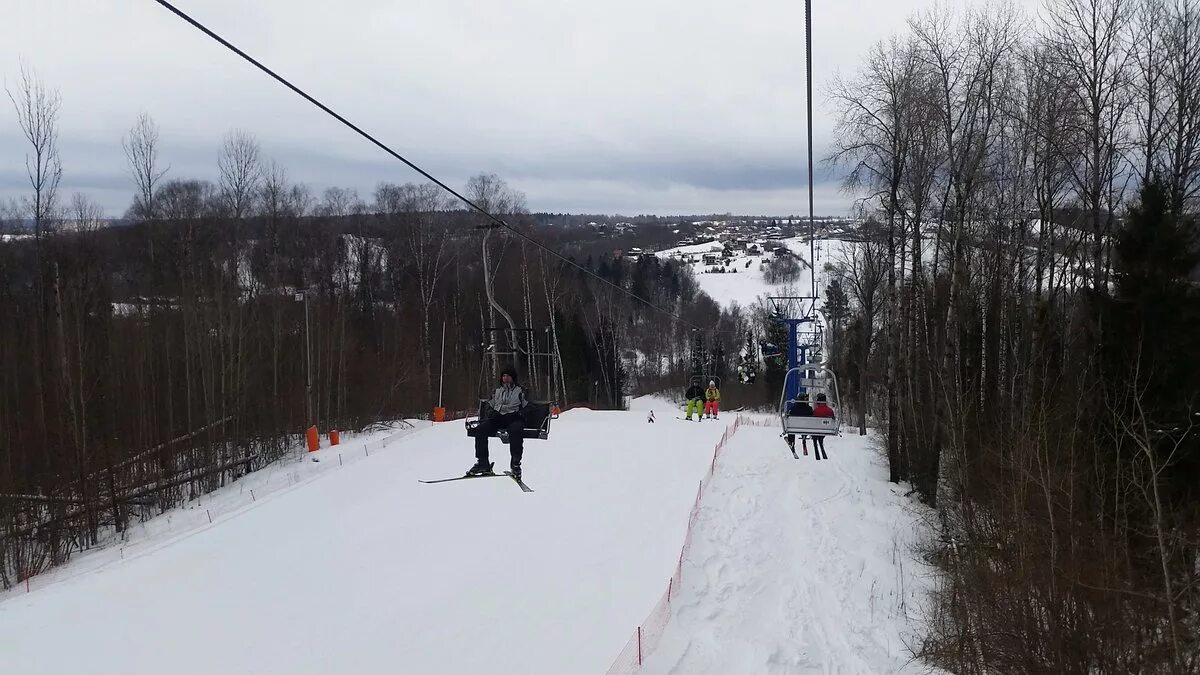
(695, 401)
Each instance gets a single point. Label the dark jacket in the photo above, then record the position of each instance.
(800, 409)
(694, 392)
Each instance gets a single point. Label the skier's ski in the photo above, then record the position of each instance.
(447, 480)
(524, 487)
(794, 454)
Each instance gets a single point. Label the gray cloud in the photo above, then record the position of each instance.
(628, 106)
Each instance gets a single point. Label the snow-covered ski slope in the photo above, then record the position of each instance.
(364, 570)
(796, 566)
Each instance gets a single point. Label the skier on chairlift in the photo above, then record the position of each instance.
(712, 399)
(821, 409)
(695, 400)
(800, 408)
(505, 417)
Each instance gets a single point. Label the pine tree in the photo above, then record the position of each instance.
(776, 367)
(1153, 324)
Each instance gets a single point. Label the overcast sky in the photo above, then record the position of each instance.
(623, 106)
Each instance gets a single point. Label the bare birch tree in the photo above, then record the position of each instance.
(141, 154)
(37, 110)
(1181, 135)
(241, 171)
(1089, 39)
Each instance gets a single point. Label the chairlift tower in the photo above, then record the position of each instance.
(804, 333)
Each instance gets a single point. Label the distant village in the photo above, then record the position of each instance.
(717, 243)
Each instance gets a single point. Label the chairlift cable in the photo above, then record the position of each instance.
(497, 221)
(812, 228)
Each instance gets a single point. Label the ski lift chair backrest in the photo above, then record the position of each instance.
(810, 426)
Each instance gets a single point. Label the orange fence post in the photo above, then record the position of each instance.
(439, 414)
(314, 442)
(334, 437)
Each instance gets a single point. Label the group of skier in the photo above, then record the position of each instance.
(710, 399)
(505, 416)
(801, 408)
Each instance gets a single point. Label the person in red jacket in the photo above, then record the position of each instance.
(712, 399)
(821, 409)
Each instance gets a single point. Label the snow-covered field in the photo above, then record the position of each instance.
(796, 566)
(743, 281)
(367, 571)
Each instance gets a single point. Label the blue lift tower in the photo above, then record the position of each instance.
(804, 330)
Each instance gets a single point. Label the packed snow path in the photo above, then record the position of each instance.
(796, 566)
(366, 571)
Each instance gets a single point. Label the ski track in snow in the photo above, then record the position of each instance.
(796, 566)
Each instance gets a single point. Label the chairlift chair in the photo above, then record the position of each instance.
(537, 413)
(809, 426)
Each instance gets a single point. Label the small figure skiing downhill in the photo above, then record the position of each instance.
(504, 416)
(650, 417)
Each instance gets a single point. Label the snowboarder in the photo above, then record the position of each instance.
(712, 396)
(504, 416)
(694, 396)
(650, 417)
(800, 408)
(821, 409)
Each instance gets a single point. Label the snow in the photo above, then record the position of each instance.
(360, 569)
(709, 246)
(747, 284)
(797, 566)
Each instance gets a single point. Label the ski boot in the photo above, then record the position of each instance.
(516, 471)
(481, 468)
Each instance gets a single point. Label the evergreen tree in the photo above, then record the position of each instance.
(1153, 329)
(776, 367)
